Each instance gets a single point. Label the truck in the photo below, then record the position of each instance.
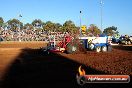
(100, 43)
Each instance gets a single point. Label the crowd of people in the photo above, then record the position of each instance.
(28, 35)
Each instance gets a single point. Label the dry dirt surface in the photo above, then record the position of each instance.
(24, 65)
(27, 44)
(119, 61)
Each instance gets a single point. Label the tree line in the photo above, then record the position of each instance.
(68, 26)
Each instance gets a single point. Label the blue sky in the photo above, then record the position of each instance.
(115, 12)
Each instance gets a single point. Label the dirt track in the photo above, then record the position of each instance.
(14, 44)
(23, 65)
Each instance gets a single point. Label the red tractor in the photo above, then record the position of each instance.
(67, 45)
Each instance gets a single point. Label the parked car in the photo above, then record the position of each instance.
(130, 39)
(125, 40)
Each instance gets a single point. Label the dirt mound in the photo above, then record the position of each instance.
(29, 67)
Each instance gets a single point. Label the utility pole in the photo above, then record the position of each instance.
(19, 27)
(101, 13)
(80, 23)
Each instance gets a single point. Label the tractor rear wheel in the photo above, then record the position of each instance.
(71, 48)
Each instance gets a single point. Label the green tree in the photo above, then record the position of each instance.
(28, 26)
(111, 31)
(94, 30)
(1, 21)
(15, 24)
(69, 26)
(49, 26)
(37, 23)
(58, 27)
